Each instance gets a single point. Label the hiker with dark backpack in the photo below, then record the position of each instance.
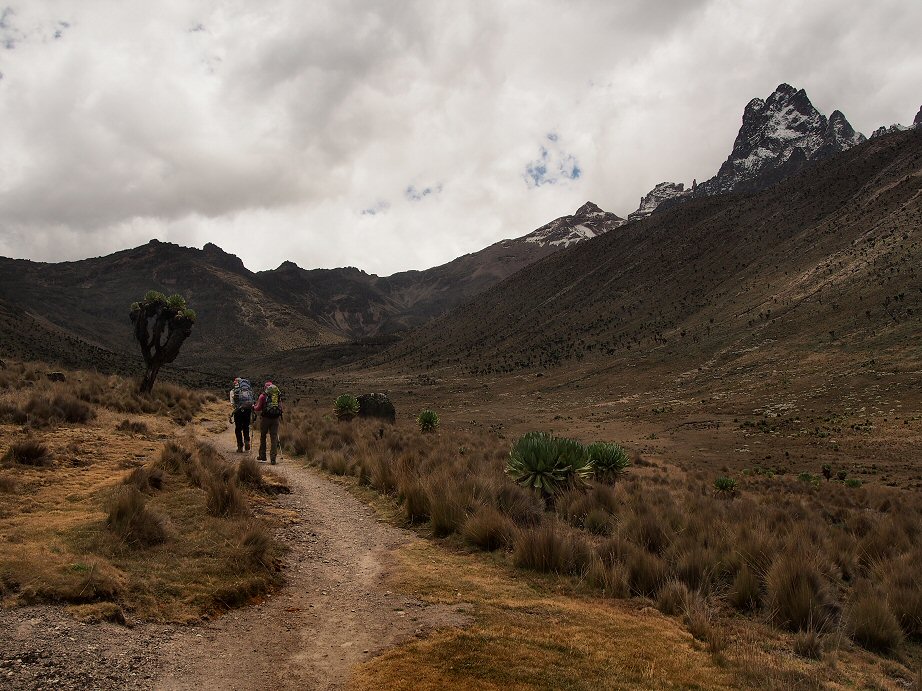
(241, 397)
(269, 405)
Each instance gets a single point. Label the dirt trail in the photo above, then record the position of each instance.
(333, 612)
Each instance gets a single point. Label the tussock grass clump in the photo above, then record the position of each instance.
(488, 529)
(145, 478)
(335, 462)
(703, 625)
(809, 643)
(798, 596)
(646, 572)
(130, 518)
(133, 427)
(870, 623)
(28, 452)
(175, 458)
(249, 472)
(611, 578)
(414, 498)
(673, 598)
(50, 407)
(224, 497)
(552, 549)
(8, 484)
(746, 592)
(448, 500)
(255, 549)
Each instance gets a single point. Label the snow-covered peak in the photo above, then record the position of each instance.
(656, 196)
(778, 136)
(588, 222)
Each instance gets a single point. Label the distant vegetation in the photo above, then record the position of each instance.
(819, 560)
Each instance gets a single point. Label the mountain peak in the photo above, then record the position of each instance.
(588, 222)
(588, 209)
(917, 122)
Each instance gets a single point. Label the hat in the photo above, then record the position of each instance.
(268, 384)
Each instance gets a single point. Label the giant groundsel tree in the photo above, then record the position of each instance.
(161, 325)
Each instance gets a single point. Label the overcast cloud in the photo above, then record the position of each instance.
(398, 135)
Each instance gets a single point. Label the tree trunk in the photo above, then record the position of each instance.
(147, 384)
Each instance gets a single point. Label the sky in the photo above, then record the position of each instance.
(398, 134)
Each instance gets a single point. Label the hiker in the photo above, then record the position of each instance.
(270, 405)
(241, 397)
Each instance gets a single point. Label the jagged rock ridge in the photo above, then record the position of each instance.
(778, 136)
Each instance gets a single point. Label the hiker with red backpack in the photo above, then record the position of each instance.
(241, 397)
(269, 405)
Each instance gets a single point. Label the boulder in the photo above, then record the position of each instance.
(377, 405)
(57, 376)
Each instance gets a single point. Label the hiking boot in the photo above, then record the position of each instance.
(261, 458)
(239, 449)
(272, 462)
(247, 446)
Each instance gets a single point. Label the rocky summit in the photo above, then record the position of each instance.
(589, 221)
(778, 136)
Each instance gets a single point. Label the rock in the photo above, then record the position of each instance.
(377, 405)
(2, 364)
(57, 376)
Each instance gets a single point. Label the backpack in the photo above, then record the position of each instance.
(273, 406)
(243, 395)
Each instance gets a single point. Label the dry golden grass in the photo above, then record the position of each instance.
(737, 558)
(527, 636)
(58, 543)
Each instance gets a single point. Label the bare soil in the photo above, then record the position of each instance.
(333, 613)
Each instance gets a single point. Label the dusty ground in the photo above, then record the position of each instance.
(333, 613)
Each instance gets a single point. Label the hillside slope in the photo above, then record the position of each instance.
(822, 264)
(244, 315)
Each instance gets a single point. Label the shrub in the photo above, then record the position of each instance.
(852, 482)
(608, 460)
(346, 407)
(672, 598)
(548, 464)
(131, 519)
(809, 643)
(725, 486)
(488, 529)
(871, 624)
(28, 452)
(427, 420)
